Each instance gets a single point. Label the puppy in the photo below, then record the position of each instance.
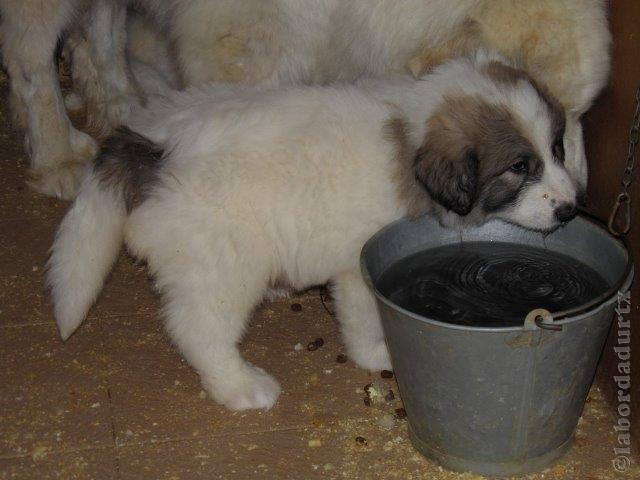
(229, 190)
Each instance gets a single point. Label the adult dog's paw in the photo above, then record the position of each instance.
(60, 181)
(60, 178)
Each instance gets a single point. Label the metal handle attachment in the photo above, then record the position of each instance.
(623, 202)
(540, 318)
(624, 198)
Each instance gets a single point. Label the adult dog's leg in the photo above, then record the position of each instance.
(361, 328)
(151, 60)
(99, 66)
(29, 35)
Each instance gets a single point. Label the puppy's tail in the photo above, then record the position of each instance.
(90, 236)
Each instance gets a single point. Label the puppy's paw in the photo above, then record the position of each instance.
(373, 357)
(251, 388)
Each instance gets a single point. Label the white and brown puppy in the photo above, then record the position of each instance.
(232, 190)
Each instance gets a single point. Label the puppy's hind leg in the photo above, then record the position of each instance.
(361, 328)
(211, 291)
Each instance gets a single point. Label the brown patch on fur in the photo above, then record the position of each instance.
(508, 75)
(128, 163)
(504, 74)
(466, 39)
(409, 191)
(469, 142)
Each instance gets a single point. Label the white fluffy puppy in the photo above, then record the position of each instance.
(232, 190)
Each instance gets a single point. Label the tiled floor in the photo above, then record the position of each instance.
(116, 401)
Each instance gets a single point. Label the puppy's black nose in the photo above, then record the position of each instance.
(566, 212)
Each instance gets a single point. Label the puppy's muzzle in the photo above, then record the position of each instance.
(565, 212)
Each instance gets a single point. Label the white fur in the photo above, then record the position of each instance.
(270, 42)
(262, 187)
(57, 150)
(94, 217)
(99, 65)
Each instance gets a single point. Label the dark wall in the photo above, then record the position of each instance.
(607, 136)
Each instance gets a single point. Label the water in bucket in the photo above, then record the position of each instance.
(492, 284)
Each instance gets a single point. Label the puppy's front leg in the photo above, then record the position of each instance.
(361, 328)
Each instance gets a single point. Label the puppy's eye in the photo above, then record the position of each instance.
(558, 150)
(519, 167)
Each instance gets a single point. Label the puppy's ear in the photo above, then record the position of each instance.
(450, 175)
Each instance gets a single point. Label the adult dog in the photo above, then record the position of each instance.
(227, 190)
(563, 45)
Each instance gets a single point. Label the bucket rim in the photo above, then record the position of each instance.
(623, 285)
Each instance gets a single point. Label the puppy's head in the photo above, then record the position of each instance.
(498, 153)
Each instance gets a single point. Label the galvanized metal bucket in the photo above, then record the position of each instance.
(497, 401)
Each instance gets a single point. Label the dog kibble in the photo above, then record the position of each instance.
(317, 343)
(361, 440)
(386, 374)
(341, 358)
(296, 307)
(401, 413)
(389, 396)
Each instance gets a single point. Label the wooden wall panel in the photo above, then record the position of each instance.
(606, 136)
